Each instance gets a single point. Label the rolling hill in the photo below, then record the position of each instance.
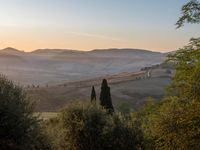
(54, 66)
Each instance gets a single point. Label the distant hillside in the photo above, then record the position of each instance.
(123, 51)
(10, 50)
(127, 87)
(53, 66)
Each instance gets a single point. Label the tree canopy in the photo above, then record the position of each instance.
(190, 13)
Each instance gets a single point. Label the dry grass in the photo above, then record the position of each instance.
(46, 115)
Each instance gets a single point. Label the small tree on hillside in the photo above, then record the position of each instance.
(105, 97)
(93, 95)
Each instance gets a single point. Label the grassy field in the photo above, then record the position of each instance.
(46, 115)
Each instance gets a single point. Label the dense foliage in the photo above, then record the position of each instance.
(174, 122)
(187, 61)
(19, 129)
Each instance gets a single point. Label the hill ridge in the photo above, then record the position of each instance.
(40, 50)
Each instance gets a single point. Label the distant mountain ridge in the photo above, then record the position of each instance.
(10, 50)
(124, 50)
(47, 50)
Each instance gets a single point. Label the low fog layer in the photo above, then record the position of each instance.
(53, 66)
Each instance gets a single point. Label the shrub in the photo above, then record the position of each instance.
(89, 127)
(177, 124)
(123, 133)
(171, 124)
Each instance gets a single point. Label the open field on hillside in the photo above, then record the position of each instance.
(124, 88)
(46, 115)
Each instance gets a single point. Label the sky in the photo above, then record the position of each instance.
(93, 24)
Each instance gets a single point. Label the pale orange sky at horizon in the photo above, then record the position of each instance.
(32, 45)
(29, 39)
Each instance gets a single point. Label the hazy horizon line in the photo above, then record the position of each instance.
(83, 50)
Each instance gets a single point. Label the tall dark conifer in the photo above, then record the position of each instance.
(105, 97)
(93, 95)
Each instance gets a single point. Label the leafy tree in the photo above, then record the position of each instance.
(190, 13)
(19, 128)
(93, 94)
(176, 123)
(105, 97)
(186, 61)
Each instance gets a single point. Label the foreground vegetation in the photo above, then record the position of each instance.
(19, 128)
(88, 127)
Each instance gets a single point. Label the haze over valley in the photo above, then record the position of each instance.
(55, 66)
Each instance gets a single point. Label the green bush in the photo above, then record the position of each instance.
(19, 129)
(88, 127)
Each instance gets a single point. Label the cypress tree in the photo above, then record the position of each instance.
(93, 95)
(105, 96)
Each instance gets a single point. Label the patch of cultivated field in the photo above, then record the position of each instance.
(46, 115)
